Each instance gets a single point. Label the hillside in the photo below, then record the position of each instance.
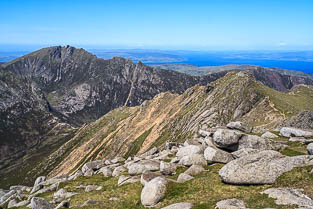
(183, 140)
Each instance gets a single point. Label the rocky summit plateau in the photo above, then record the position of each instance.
(77, 131)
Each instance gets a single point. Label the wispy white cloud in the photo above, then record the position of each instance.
(282, 44)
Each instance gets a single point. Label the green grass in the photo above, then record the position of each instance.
(136, 145)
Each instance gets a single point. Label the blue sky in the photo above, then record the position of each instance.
(171, 24)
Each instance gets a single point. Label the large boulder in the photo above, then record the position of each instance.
(143, 165)
(259, 143)
(153, 191)
(194, 159)
(291, 132)
(181, 205)
(189, 150)
(40, 203)
(240, 126)
(310, 148)
(289, 196)
(263, 167)
(217, 155)
(230, 204)
(167, 168)
(227, 139)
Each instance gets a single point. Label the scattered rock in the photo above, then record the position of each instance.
(141, 166)
(261, 168)
(88, 172)
(64, 203)
(153, 191)
(114, 199)
(289, 196)
(297, 139)
(183, 177)
(76, 175)
(217, 155)
(150, 152)
(181, 205)
(227, 139)
(291, 132)
(90, 202)
(40, 203)
(37, 186)
(244, 152)
(128, 180)
(147, 176)
(310, 148)
(93, 165)
(230, 204)
(117, 171)
(63, 194)
(118, 160)
(167, 168)
(90, 188)
(269, 135)
(12, 203)
(194, 159)
(256, 142)
(205, 133)
(190, 150)
(194, 170)
(240, 126)
(107, 172)
(18, 204)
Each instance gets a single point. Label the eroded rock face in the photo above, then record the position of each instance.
(263, 167)
(153, 191)
(291, 132)
(230, 204)
(289, 196)
(217, 155)
(240, 126)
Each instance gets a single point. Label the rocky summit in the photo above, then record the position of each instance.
(82, 132)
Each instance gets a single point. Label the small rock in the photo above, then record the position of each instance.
(90, 202)
(147, 176)
(141, 166)
(205, 133)
(183, 178)
(244, 152)
(37, 185)
(194, 159)
(107, 172)
(90, 188)
(240, 126)
(114, 199)
(190, 150)
(118, 160)
(181, 205)
(88, 172)
(117, 171)
(64, 203)
(194, 170)
(230, 204)
(40, 203)
(291, 132)
(310, 148)
(269, 135)
(167, 168)
(217, 155)
(150, 152)
(63, 194)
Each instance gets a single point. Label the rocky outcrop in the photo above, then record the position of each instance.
(263, 167)
(240, 126)
(289, 196)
